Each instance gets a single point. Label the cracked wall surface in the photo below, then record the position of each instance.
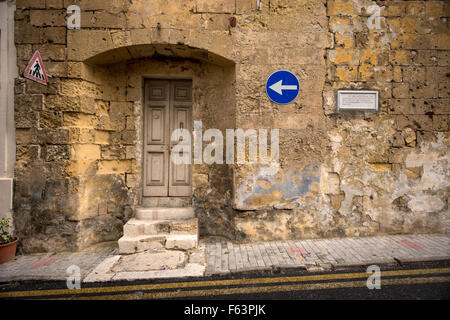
(78, 160)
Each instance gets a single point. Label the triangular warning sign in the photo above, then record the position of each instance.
(35, 70)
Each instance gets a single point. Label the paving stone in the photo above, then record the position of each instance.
(282, 251)
(259, 258)
(277, 254)
(150, 260)
(239, 262)
(225, 258)
(218, 260)
(270, 254)
(251, 256)
(245, 259)
(264, 255)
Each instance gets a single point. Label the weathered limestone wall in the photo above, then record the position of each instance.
(78, 162)
(398, 180)
(365, 174)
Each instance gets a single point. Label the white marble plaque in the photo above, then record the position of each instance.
(357, 100)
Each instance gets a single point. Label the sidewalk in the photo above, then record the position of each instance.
(314, 255)
(48, 266)
(102, 263)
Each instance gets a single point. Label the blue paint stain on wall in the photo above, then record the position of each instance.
(292, 185)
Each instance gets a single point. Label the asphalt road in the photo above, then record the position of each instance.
(417, 281)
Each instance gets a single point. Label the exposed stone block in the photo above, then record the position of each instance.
(101, 19)
(400, 57)
(113, 152)
(112, 6)
(30, 4)
(397, 74)
(56, 152)
(80, 120)
(81, 167)
(85, 152)
(400, 90)
(85, 43)
(114, 166)
(81, 135)
(54, 4)
(52, 136)
(48, 18)
(441, 106)
(55, 35)
(52, 87)
(221, 6)
(56, 69)
(444, 90)
(342, 7)
(121, 108)
(128, 137)
(441, 122)
(50, 119)
(101, 137)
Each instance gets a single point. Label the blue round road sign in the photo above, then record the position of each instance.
(282, 87)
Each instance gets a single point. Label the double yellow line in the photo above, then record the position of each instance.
(264, 285)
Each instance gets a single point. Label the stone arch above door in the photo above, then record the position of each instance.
(107, 47)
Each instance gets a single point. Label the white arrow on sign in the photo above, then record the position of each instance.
(278, 87)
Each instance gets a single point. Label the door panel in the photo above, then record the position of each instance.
(168, 106)
(180, 110)
(156, 138)
(155, 131)
(180, 175)
(182, 91)
(155, 165)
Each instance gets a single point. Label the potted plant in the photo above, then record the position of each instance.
(8, 243)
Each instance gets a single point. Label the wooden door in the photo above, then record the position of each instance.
(168, 106)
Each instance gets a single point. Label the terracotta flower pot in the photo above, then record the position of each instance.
(8, 251)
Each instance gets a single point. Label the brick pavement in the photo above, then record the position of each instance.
(225, 257)
(54, 266)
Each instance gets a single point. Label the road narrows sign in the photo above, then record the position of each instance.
(35, 69)
(282, 87)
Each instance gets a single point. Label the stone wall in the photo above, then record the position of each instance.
(78, 163)
(398, 179)
(379, 173)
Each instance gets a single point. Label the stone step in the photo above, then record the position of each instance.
(137, 227)
(166, 202)
(165, 213)
(128, 245)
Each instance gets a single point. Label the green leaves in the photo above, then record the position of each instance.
(5, 236)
